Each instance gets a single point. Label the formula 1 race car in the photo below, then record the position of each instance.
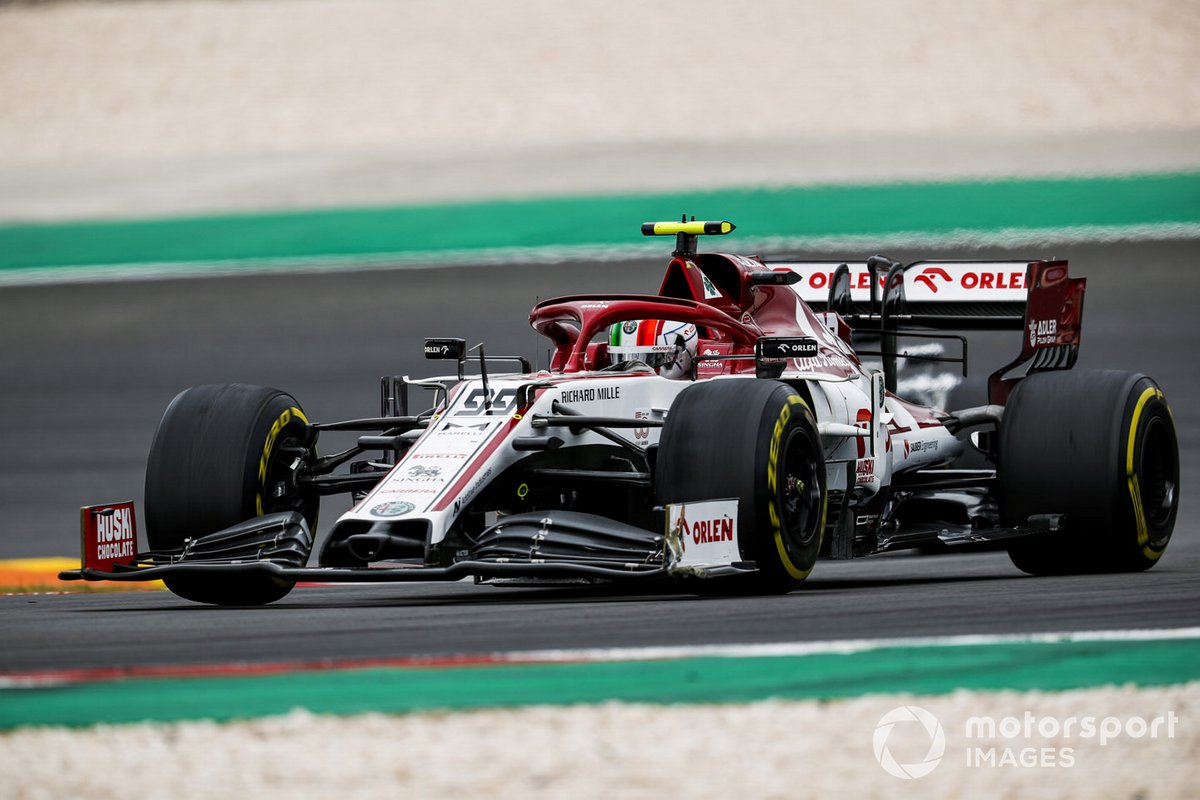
(724, 433)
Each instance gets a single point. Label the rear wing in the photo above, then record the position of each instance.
(895, 299)
(976, 295)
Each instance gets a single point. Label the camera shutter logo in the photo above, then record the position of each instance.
(937, 742)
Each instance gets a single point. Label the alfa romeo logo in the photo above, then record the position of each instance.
(932, 728)
(396, 508)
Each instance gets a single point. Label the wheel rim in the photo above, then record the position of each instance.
(1157, 473)
(800, 491)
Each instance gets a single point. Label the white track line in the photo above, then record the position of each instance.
(843, 646)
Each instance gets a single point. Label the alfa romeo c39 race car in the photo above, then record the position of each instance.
(724, 433)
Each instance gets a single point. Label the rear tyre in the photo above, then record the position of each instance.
(222, 454)
(756, 441)
(1100, 447)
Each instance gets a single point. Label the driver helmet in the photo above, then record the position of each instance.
(665, 346)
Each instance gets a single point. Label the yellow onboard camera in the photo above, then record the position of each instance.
(685, 232)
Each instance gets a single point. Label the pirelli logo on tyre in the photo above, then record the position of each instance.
(785, 414)
(269, 446)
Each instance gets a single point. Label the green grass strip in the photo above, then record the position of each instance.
(918, 670)
(795, 212)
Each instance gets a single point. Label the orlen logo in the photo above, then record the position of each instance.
(710, 530)
(927, 275)
(932, 278)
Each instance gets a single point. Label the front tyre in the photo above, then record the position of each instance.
(756, 441)
(1100, 447)
(222, 454)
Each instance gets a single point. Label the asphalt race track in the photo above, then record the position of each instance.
(87, 369)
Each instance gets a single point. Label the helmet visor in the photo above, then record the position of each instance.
(652, 355)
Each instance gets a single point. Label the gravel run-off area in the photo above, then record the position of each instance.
(142, 108)
(771, 749)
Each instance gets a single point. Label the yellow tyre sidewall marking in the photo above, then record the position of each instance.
(1131, 479)
(785, 414)
(268, 447)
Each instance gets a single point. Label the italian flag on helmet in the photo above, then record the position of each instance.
(666, 346)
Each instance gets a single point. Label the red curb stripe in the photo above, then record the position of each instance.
(60, 677)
